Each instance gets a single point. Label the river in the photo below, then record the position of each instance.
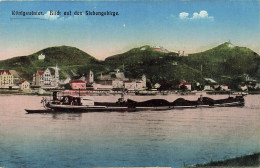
(171, 138)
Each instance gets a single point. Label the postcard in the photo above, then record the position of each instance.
(125, 83)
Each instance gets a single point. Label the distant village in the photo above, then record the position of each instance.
(115, 81)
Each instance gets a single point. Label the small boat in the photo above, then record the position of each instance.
(80, 104)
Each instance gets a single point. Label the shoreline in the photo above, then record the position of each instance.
(250, 160)
(19, 92)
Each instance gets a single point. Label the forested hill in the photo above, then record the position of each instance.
(224, 63)
(70, 59)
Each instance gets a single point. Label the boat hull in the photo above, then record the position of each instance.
(82, 109)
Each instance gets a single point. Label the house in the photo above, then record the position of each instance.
(134, 85)
(24, 85)
(157, 86)
(46, 79)
(187, 84)
(118, 80)
(41, 57)
(244, 87)
(78, 84)
(6, 79)
(224, 87)
(97, 86)
(138, 85)
(129, 85)
(117, 84)
(257, 86)
(207, 87)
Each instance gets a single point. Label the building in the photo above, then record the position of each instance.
(244, 87)
(208, 87)
(113, 75)
(41, 57)
(117, 80)
(46, 78)
(16, 77)
(97, 86)
(78, 84)
(224, 87)
(188, 85)
(117, 83)
(134, 85)
(143, 81)
(24, 85)
(182, 54)
(129, 85)
(160, 48)
(6, 79)
(90, 77)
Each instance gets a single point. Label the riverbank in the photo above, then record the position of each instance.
(100, 93)
(252, 160)
(17, 92)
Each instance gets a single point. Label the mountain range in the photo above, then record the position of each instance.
(224, 63)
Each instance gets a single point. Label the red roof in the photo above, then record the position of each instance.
(40, 72)
(224, 85)
(157, 48)
(77, 81)
(21, 82)
(127, 81)
(6, 71)
(184, 83)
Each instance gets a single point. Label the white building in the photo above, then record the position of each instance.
(244, 87)
(224, 87)
(208, 87)
(41, 57)
(97, 86)
(46, 78)
(134, 85)
(6, 79)
(117, 83)
(24, 85)
(90, 78)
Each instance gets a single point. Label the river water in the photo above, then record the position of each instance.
(151, 138)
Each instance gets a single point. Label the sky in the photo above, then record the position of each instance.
(189, 25)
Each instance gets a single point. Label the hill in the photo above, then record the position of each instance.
(158, 66)
(225, 64)
(70, 59)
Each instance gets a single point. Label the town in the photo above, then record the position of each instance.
(114, 82)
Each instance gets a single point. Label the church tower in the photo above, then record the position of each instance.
(144, 81)
(90, 77)
(56, 75)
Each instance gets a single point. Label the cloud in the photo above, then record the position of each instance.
(48, 16)
(183, 15)
(201, 15)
